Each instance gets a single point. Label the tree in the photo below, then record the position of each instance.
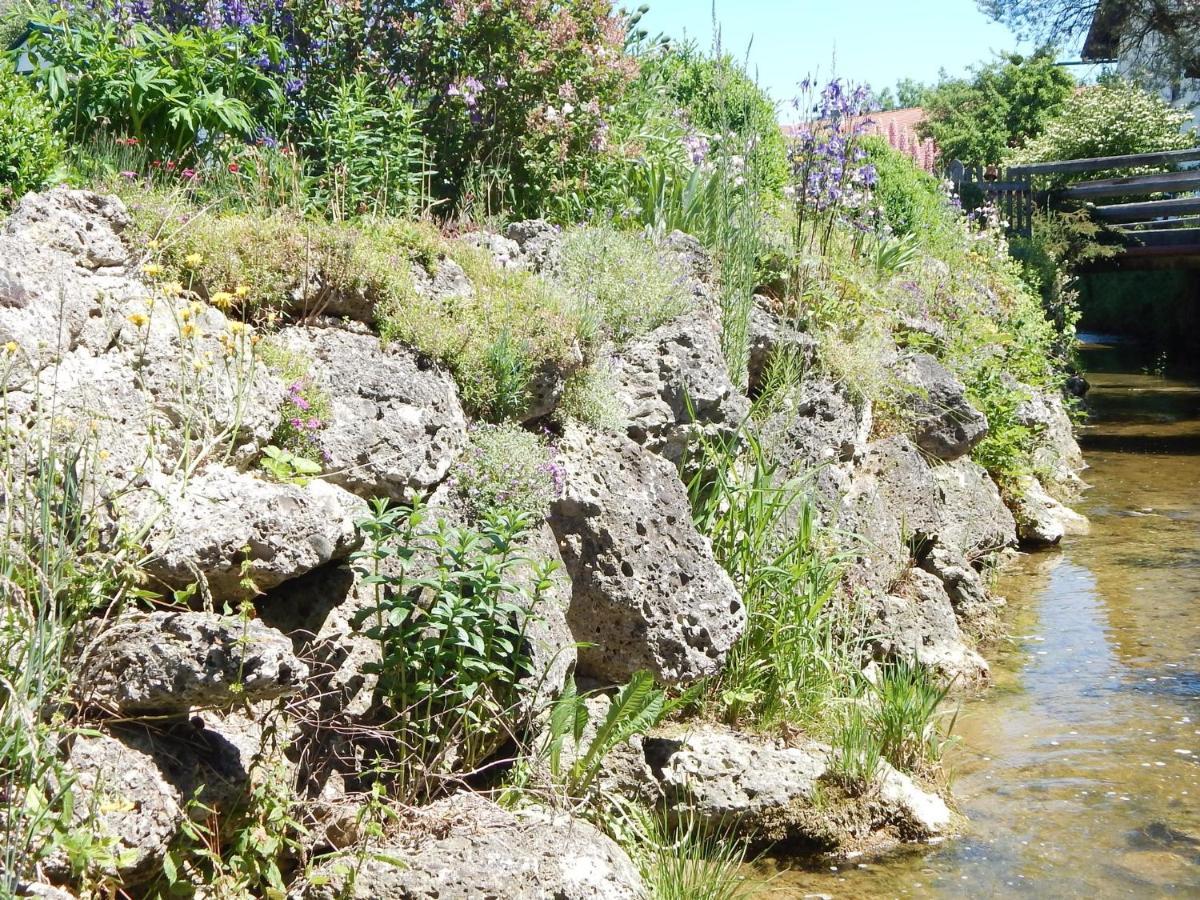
(1005, 105)
(1161, 35)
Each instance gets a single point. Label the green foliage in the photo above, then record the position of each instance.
(166, 89)
(790, 659)
(450, 612)
(683, 860)
(285, 466)
(1004, 105)
(506, 469)
(30, 149)
(721, 100)
(622, 284)
(366, 146)
(495, 340)
(515, 96)
(1110, 119)
(636, 708)
(911, 199)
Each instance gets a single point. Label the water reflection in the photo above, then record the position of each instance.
(1080, 771)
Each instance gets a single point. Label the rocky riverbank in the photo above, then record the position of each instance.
(250, 675)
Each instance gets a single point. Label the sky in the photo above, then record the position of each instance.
(876, 41)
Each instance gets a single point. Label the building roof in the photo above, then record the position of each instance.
(1104, 37)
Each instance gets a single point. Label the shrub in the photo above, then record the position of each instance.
(720, 99)
(30, 149)
(365, 142)
(169, 90)
(451, 622)
(912, 200)
(1110, 119)
(622, 284)
(589, 397)
(507, 469)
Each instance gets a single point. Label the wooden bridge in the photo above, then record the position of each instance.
(1162, 231)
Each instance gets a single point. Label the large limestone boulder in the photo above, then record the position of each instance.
(674, 387)
(396, 423)
(647, 592)
(974, 518)
(770, 791)
(920, 624)
(768, 335)
(467, 848)
(237, 535)
(170, 662)
(133, 803)
(538, 241)
(944, 424)
(1043, 521)
(973, 602)
(84, 226)
(1057, 454)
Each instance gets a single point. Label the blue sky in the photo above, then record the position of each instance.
(877, 41)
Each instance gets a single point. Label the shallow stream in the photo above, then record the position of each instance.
(1080, 769)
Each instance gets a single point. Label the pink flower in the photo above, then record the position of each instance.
(129, 174)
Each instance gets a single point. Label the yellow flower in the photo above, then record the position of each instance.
(187, 331)
(172, 288)
(185, 314)
(139, 320)
(193, 260)
(242, 291)
(152, 270)
(152, 244)
(11, 347)
(222, 300)
(237, 327)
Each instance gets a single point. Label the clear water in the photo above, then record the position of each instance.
(1080, 769)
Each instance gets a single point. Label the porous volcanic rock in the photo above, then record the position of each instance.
(169, 662)
(467, 847)
(223, 527)
(944, 424)
(647, 592)
(396, 423)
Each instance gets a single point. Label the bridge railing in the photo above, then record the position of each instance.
(1011, 194)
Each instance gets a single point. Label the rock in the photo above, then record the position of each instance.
(675, 390)
(85, 226)
(768, 335)
(891, 506)
(729, 780)
(538, 240)
(925, 814)
(169, 662)
(505, 252)
(973, 516)
(921, 626)
(1057, 453)
(396, 423)
(135, 806)
(467, 847)
(767, 792)
(972, 601)
(226, 529)
(945, 425)
(324, 614)
(446, 282)
(821, 426)
(43, 891)
(1042, 520)
(647, 592)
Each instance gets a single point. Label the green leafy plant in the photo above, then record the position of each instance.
(635, 709)
(30, 149)
(451, 608)
(168, 90)
(793, 655)
(365, 142)
(285, 466)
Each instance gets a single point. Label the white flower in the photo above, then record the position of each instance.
(567, 109)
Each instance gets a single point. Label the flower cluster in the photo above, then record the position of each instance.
(826, 154)
(304, 415)
(508, 468)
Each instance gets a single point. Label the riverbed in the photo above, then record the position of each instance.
(1080, 770)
